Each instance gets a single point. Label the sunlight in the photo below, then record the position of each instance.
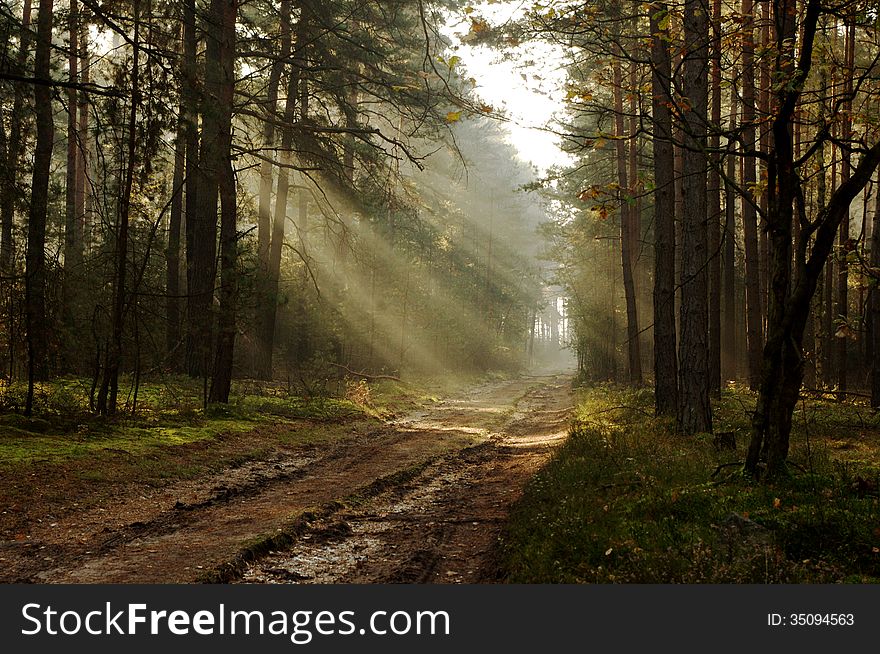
(526, 83)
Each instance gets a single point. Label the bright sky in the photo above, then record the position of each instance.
(529, 85)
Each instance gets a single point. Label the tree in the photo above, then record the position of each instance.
(35, 274)
(13, 146)
(754, 320)
(665, 358)
(110, 382)
(627, 246)
(695, 411)
(266, 328)
(220, 87)
(792, 292)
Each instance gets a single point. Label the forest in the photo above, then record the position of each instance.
(288, 281)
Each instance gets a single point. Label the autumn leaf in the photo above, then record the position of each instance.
(777, 503)
(453, 116)
(479, 25)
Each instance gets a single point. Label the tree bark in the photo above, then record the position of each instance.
(874, 302)
(269, 310)
(264, 345)
(754, 330)
(634, 359)
(172, 254)
(35, 263)
(200, 237)
(109, 391)
(729, 314)
(81, 198)
(845, 245)
(764, 97)
(714, 209)
(665, 358)
(14, 146)
(224, 12)
(695, 411)
(72, 237)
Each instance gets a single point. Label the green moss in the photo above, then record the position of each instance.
(18, 446)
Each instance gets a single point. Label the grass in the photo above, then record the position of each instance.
(167, 416)
(626, 500)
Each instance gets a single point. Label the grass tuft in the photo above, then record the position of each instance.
(626, 499)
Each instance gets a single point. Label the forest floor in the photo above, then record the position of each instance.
(419, 498)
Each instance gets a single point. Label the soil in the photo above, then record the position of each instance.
(418, 499)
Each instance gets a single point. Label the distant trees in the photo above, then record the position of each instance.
(776, 101)
(225, 189)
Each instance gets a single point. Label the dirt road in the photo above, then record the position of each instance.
(421, 499)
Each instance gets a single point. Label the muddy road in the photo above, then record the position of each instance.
(419, 499)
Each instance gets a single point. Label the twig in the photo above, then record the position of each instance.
(725, 465)
(625, 484)
(365, 375)
(820, 392)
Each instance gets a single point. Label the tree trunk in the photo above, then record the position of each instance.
(714, 210)
(172, 255)
(764, 98)
(729, 313)
(754, 330)
(269, 310)
(220, 177)
(14, 147)
(695, 411)
(634, 365)
(109, 392)
(874, 302)
(264, 344)
(665, 361)
(201, 236)
(35, 273)
(790, 303)
(72, 236)
(84, 224)
(223, 11)
(845, 246)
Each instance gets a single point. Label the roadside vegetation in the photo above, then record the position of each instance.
(628, 500)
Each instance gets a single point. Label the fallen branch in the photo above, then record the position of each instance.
(725, 465)
(625, 484)
(365, 375)
(821, 393)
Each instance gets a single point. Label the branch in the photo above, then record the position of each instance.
(365, 375)
(90, 88)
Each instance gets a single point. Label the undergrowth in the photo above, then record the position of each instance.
(626, 499)
(167, 413)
